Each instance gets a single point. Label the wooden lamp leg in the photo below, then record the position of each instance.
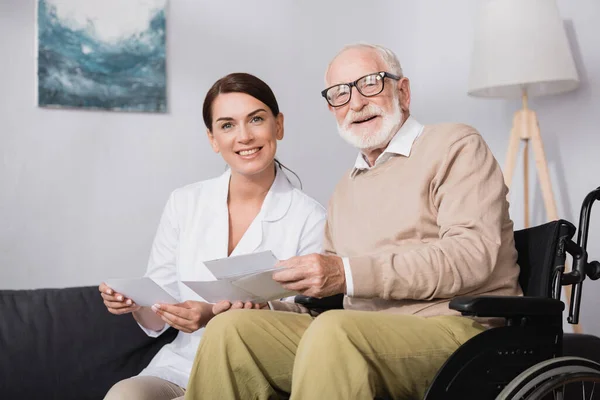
(519, 133)
(511, 156)
(526, 183)
(542, 170)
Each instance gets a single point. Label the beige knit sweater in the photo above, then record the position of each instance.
(423, 229)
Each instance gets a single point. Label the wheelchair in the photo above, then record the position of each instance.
(529, 357)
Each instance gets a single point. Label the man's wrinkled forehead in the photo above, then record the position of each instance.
(352, 64)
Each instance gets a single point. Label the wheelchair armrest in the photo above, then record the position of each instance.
(335, 302)
(506, 306)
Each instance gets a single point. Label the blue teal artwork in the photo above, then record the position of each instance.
(102, 54)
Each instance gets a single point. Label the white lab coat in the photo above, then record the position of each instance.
(194, 228)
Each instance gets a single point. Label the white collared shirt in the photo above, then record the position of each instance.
(194, 228)
(401, 144)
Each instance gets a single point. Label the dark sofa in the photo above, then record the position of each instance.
(64, 344)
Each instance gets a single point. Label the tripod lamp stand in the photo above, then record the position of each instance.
(521, 50)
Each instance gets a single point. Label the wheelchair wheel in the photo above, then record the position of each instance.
(562, 378)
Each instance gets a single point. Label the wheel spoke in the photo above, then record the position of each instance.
(559, 394)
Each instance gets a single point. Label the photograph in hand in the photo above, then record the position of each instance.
(242, 278)
(143, 291)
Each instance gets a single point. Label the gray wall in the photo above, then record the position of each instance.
(81, 192)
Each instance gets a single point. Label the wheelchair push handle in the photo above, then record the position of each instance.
(584, 217)
(581, 266)
(592, 269)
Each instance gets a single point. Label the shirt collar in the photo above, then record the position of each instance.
(277, 201)
(401, 144)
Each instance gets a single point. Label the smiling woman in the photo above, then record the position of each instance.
(251, 207)
(244, 123)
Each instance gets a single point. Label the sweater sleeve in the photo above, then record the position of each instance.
(328, 247)
(469, 194)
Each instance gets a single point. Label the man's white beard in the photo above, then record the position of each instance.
(364, 139)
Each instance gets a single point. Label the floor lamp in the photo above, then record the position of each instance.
(521, 50)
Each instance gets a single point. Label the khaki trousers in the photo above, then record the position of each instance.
(145, 388)
(341, 354)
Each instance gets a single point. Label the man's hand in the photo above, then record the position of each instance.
(188, 316)
(225, 305)
(313, 275)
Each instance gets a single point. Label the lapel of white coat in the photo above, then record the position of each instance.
(215, 235)
(275, 206)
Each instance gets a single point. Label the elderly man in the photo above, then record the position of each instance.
(421, 218)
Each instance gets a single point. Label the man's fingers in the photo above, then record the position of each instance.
(289, 263)
(221, 306)
(299, 286)
(289, 275)
(248, 305)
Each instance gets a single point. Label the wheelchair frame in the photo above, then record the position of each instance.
(533, 332)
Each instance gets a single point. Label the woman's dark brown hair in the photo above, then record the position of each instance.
(238, 82)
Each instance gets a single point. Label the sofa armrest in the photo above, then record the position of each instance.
(506, 306)
(64, 344)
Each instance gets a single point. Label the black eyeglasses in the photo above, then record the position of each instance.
(368, 85)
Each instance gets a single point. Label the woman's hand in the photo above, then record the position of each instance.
(187, 317)
(225, 305)
(116, 303)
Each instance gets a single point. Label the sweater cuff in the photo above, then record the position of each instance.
(368, 277)
(349, 280)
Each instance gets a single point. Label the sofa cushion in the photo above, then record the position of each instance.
(64, 344)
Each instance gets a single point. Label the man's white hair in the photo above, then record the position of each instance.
(387, 55)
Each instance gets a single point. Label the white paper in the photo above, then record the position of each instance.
(237, 266)
(263, 285)
(143, 291)
(246, 277)
(215, 291)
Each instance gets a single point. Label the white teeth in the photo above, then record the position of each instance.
(248, 152)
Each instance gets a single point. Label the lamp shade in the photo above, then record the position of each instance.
(521, 44)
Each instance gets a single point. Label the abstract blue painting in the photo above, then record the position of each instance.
(102, 54)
